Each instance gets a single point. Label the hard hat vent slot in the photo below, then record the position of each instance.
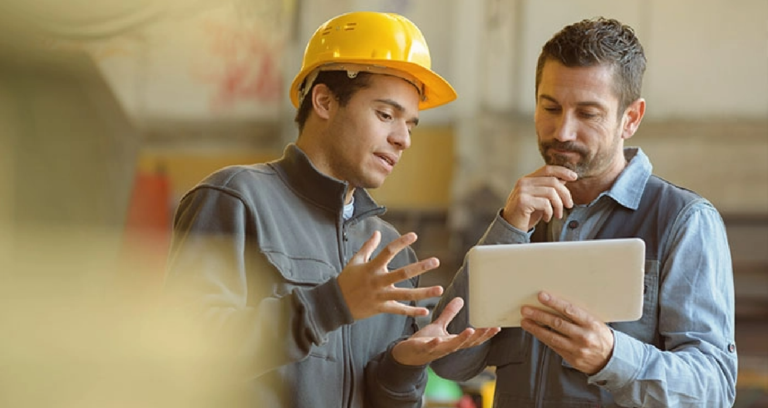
(350, 26)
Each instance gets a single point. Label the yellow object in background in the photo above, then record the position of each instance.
(486, 393)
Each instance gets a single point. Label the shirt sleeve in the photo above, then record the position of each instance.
(698, 364)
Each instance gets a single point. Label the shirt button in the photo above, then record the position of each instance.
(731, 347)
(573, 224)
(601, 383)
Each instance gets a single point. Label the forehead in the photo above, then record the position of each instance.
(577, 84)
(388, 87)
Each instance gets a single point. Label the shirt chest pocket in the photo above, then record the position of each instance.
(646, 328)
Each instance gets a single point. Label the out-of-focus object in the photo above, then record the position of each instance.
(441, 392)
(147, 236)
(72, 148)
(67, 154)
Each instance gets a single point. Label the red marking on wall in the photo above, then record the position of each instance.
(244, 66)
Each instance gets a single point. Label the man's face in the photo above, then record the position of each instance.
(367, 136)
(577, 122)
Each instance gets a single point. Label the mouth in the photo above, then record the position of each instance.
(554, 150)
(389, 160)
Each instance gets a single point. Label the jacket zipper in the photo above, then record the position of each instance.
(347, 374)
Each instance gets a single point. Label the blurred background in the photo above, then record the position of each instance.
(111, 110)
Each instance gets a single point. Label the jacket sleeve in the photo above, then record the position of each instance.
(465, 364)
(698, 365)
(390, 384)
(207, 286)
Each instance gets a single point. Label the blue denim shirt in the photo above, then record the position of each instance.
(681, 355)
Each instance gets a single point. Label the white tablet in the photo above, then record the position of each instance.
(604, 277)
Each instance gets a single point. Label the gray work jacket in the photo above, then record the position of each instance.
(254, 260)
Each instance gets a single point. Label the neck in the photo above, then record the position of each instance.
(585, 190)
(314, 154)
(350, 193)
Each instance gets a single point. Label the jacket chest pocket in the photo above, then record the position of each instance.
(306, 272)
(646, 328)
(298, 272)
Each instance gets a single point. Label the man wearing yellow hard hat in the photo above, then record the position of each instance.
(306, 289)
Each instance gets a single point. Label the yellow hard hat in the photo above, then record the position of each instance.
(366, 41)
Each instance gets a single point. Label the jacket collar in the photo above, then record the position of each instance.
(327, 192)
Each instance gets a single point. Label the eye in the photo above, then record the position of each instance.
(384, 116)
(588, 115)
(552, 109)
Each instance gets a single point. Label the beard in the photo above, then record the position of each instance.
(582, 166)
(587, 164)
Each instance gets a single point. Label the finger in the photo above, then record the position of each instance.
(564, 194)
(413, 295)
(452, 342)
(549, 337)
(567, 309)
(398, 308)
(559, 172)
(441, 346)
(481, 336)
(364, 254)
(544, 207)
(392, 249)
(549, 200)
(550, 321)
(475, 340)
(449, 312)
(409, 271)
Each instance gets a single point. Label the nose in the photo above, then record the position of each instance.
(566, 128)
(400, 136)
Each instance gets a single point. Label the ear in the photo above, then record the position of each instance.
(323, 101)
(632, 117)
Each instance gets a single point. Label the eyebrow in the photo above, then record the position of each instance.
(399, 108)
(581, 104)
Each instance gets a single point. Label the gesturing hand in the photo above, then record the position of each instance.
(579, 338)
(433, 341)
(369, 288)
(539, 195)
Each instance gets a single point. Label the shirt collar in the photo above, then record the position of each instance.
(629, 186)
(327, 192)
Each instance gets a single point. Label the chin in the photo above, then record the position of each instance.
(373, 185)
(557, 160)
(369, 183)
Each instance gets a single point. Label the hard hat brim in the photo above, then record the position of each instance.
(437, 91)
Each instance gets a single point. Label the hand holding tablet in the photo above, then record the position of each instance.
(604, 277)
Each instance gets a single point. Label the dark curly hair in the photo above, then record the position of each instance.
(599, 41)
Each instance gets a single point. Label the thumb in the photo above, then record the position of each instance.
(451, 310)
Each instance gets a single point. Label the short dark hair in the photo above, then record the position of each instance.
(341, 85)
(599, 41)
